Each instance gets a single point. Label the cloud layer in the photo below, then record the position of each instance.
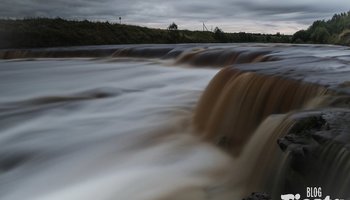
(266, 16)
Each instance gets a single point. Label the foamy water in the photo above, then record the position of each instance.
(132, 142)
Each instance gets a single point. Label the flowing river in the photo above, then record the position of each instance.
(149, 122)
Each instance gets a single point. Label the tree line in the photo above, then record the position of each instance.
(50, 32)
(333, 31)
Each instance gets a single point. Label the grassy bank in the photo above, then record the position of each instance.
(45, 32)
(48, 32)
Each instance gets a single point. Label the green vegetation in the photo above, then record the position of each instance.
(45, 32)
(333, 31)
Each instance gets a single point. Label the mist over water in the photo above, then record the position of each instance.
(161, 122)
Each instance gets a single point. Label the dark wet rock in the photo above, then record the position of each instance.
(311, 123)
(300, 140)
(316, 129)
(319, 154)
(258, 196)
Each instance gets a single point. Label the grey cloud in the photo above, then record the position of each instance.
(230, 15)
(273, 8)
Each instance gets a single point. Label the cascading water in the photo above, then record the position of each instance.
(238, 105)
(142, 123)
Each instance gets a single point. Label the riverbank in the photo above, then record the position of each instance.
(46, 32)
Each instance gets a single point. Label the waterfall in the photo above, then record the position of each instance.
(187, 121)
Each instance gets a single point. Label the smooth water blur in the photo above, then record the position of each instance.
(101, 129)
(129, 121)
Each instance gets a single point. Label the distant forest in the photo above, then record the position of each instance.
(48, 32)
(333, 31)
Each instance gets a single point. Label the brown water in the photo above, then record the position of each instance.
(239, 102)
(197, 121)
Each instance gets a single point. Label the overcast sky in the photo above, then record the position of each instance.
(266, 16)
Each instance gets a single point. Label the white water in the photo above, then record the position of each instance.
(132, 144)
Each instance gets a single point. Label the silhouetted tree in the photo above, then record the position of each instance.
(172, 27)
(173, 34)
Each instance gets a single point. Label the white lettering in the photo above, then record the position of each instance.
(313, 192)
(287, 197)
